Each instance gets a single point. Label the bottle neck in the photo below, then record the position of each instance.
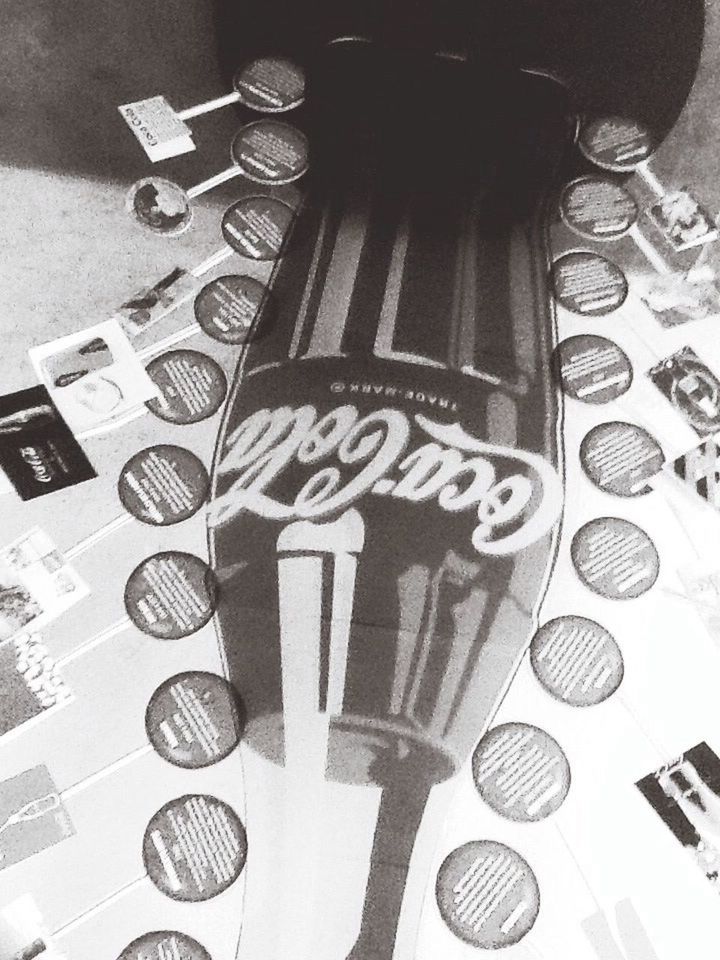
(350, 866)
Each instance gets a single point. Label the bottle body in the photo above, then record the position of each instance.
(386, 495)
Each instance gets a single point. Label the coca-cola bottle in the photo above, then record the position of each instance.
(386, 486)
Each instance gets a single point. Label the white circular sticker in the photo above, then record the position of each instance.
(615, 143)
(257, 227)
(577, 661)
(620, 458)
(588, 284)
(592, 369)
(160, 205)
(521, 772)
(270, 85)
(271, 152)
(192, 386)
(615, 558)
(487, 894)
(194, 848)
(598, 209)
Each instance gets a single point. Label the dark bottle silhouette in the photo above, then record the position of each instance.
(386, 483)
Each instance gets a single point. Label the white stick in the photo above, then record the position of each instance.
(215, 181)
(659, 749)
(212, 261)
(643, 170)
(112, 631)
(98, 536)
(94, 778)
(576, 862)
(128, 417)
(184, 334)
(88, 914)
(208, 106)
(650, 253)
(683, 596)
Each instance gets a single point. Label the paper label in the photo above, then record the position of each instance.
(32, 816)
(685, 794)
(683, 222)
(38, 451)
(146, 307)
(692, 389)
(36, 584)
(94, 377)
(23, 933)
(158, 129)
(30, 684)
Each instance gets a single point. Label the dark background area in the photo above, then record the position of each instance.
(65, 65)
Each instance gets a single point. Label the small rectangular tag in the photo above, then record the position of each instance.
(158, 129)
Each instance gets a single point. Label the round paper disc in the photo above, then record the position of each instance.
(256, 227)
(588, 284)
(194, 719)
(521, 772)
(598, 209)
(163, 485)
(192, 386)
(270, 85)
(171, 595)
(592, 369)
(487, 894)
(615, 558)
(160, 205)
(577, 661)
(615, 143)
(620, 458)
(164, 945)
(271, 152)
(194, 848)
(233, 309)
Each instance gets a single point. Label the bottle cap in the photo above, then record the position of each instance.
(257, 227)
(615, 558)
(270, 85)
(194, 719)
(521, 772)
(163, 485)
(487, 894)
(598, 209)
(192, 386)
(271, 152)
(619, 458)
(587, 284)
(194, 848)
(160, 205)
(171, 595)
(233, 309)
(164, 945)
(615, 143)
(592, 369)
(577, 661)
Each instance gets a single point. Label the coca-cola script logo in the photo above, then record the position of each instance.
(451, 467)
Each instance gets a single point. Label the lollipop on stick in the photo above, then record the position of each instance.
(267, 152)
(267, 85)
